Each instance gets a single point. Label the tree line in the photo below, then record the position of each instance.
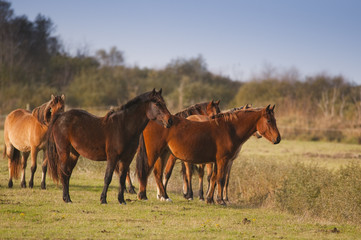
(34, 64)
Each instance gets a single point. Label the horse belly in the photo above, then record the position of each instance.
(95, 153)
(197, 151)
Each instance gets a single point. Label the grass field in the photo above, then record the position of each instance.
(41, 214)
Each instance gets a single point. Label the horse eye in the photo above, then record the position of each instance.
(269, 121)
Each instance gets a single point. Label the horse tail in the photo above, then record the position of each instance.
(15, 161)
(52, 153)
(142, 166)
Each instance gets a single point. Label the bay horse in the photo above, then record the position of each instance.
(187, 168)
(217, 141)
(153, 133)
(112, 138)
(25, 132)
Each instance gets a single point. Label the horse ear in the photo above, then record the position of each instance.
(52, 97)
(160, 92)
(273, 108)
(217, 102)
(63, 97)
(267, 108)
(153, 92)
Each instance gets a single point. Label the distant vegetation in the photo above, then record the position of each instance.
(34, 64)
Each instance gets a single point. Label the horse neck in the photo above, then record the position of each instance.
(245, 123)
(135, 118)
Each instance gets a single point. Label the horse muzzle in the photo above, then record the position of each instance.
(278, 140)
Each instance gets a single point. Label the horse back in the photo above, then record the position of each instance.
(23, 130)
(86, 133)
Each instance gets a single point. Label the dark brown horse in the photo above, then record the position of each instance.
(25, 132)
(113, 138)
(217, 141)
(154, 133)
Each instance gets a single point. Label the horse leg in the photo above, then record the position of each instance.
(189, 194)
(9, 152)
(44, 168)
(169, 169)
(200, 175)
(123, 170)
(209, 174)
(34, 154)
(185, 179)
(111, 163)
(212, 185)
(129, 181)
(24, 160)
(158, 175)
(220, 182)
(66, 171)
(228, 173)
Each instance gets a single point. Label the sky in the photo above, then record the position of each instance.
(236, 38)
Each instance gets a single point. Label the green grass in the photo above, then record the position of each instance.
(41, 214)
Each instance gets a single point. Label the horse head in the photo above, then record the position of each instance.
(56, 105)
(213, 108)
(267, 127)
(45, 112)
(158, 110)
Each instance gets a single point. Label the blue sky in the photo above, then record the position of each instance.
(236, 38)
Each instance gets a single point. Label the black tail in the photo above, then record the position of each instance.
(142, 167)
(51, 152)
(15, 161)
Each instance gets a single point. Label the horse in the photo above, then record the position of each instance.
(187, 169)
(112, 138)
(218, 141)
(25, 132)
(201, 108)
(153, 133)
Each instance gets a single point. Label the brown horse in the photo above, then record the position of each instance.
(187, 168)
(113, 138)
(210, 108)
(25, 132)
(154, 134)
(217, 141)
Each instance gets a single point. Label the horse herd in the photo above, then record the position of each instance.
(200, 134)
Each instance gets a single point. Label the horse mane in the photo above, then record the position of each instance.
(141, 98)
(42, 113)
(230, 114)
(196, 108)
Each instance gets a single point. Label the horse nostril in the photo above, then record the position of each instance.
(278, 139)
(170, 121)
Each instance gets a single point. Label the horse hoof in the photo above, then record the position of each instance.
(43, 186)
(221, 202)
(190, 199)
(10, 184)
(31, 184)
(168, 200)
(142, 196)
(210, 201)
(132, 190)
(23, 184)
